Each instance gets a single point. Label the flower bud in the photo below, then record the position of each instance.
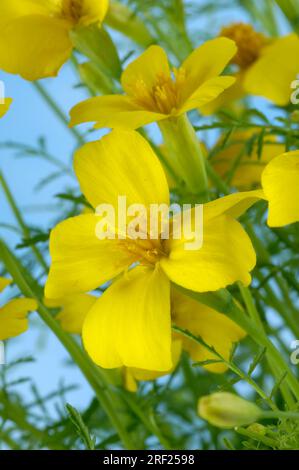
(226, 410)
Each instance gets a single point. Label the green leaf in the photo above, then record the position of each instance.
(81, 428)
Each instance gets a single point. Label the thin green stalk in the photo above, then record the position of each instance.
(20, 220)
(185, 155)
(87, 368)
(229, 364)
(147, 422)
(254, 314)
(59, 113)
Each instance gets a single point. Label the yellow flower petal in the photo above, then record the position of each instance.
(34, 46)
(5, 106)
(215, 329)
(227, 256)
(234, 204)
(13, 317)
(74, 309)
(4, 283)
(271, 75)
(93, 11)
(121, 164)
(129, 381)
(132, 375)
(280, 182)
(129, 324)
(12, 9)
(145, 70)
(250, 167)
(207, 92)
(82, 262)
(206, 62)
(227, 98)
(112, 111)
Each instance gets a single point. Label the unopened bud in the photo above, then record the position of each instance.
(226, 410)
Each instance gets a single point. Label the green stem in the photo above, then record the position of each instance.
(20, 220)
(87, 368)
(185, 154)
(59, 113)
(280, 415)
(147, 422)
(254, 314)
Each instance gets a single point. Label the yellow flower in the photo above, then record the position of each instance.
(34, 35)
(13, 315)
(153, 92)
(266, 67)
(249, 168)
(5, 106)
(130, 324)
(280, 181)
(226, 410)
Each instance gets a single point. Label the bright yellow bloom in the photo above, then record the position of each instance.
(130, 324)
(5, 106)
(13, 315)
(266, 67)
(34, 35)
(248, 168)
(280, 181)
(154, 92)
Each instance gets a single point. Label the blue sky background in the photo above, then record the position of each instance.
(28, 119)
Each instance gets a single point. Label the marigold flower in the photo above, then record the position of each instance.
(280, 181)
(266, 67)
(13, 315)
(4, 107)
(130, 324)
(34, 35)
(153, 92)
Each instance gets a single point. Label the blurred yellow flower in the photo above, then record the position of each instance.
(280, 181)
(13, 315)
(34, 35)
(154, 92)
(245, 170)
(130, 324)
(5, 106)
(266, 67)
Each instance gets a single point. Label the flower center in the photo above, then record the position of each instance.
(146, 251)
(72, 10)
(249, 42)
(164, 96)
